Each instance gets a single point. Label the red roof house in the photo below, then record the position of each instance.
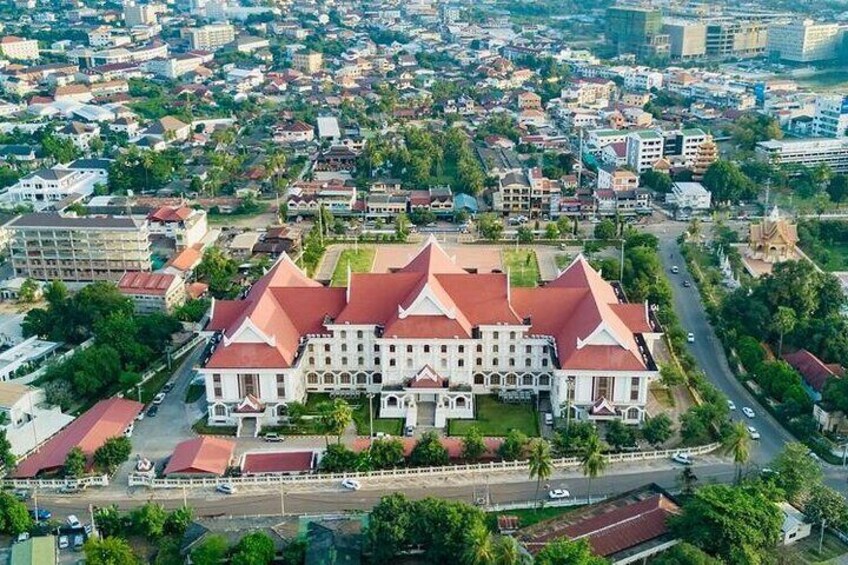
(813, 370)
(107, 419)
(278, 463)
(204, 455)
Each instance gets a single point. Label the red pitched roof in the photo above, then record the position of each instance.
(139, 282)
(205, 455)
(106, 419)
(812, 369)
(280, 462)
(170, 214)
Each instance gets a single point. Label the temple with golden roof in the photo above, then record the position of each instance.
(773, 240)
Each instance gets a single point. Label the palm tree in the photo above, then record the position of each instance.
(592, 462)
(784, 322)
(738, 444)
(334, 418)
(539, 461)
(507, 552)
(479, 546)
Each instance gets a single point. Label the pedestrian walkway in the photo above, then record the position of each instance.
(324, 273)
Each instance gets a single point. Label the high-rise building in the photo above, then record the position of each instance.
(78, 249)
(210, 37)
(686, 39)
(831, 116)
(804, 41)
(19, 48)
(633, 29)
(644, 149)
(736, 38)
(307, 61)
(139, 14)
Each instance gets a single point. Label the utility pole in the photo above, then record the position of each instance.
(821, 534)
(621, 266)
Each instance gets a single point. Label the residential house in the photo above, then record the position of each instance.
(185, 226)
(153, 292)
(30, 421)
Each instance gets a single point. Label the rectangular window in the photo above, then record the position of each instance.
(460, 362)
(444, 349)
(603, 388)
(391, 363)
(281, 386)
(528, 349)
(409, 349)
(462, 349)
(634, 388)
(248, 385)
(217, 391)
(426, 349)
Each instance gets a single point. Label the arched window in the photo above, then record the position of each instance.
(479, 379)
(376, 378)
(511, 380)
(633, 414)
(392, 402)
(544, 380)
(460, 402)
(328, 378)
(344, 378)
(282, 410)
(361, 379)
(220, 410)
(312, 378)
(495, 380)
(527, 380)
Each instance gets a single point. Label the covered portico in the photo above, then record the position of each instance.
(427, 387)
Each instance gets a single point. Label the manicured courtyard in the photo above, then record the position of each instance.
(360, 261)
(522, 266)
(391, 426)
(496, 419)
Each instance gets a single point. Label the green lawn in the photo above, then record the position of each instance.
(807, 550)
(202, 427)
(391, 426)
(495, 418)
(360, 261)
(563, 261)
(829, 256)
(522, 266)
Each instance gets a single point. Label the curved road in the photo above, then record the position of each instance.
(709, 354)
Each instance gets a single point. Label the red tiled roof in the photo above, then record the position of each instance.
(106, 419)
(201, 455)
(187, 259)
(280, 462)
(139, 282)
(170, 214)
(812, 369)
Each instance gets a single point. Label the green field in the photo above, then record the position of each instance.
(360, 261)
(530, 516)
(522, 266)
(807, 549)
(496, 418)
(391, 426)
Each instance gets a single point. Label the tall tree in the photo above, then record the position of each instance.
(567, 552)
(592, 462)
(473, 446)
(738, 444)
(784, 322)
(796, 472)
(540, 463)
(508, 552)
(211, 551)
(14, 516)
(480, 546)
(256, 548)
(109, 551)
(429, 451)
(335, 417)
(112, 453)
(75, 463)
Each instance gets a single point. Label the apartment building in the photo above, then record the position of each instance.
(687, 39)
(683, 146)
(210, 37)
(804, 41)
(105, 36)
(78, 249)
(307, 61)
(174, 66)
(831, 116)
(44, 187)
(644, 149)
(185, 226)
(140, 14)
(733, 37)
(612, 178)
(14, 47)
(807, 152)
(429, 334)
(153, 292)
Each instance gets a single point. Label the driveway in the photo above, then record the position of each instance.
(709, 354)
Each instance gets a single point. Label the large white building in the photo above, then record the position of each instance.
(831, 116)
(807, 152)
(644, 149)
(46, 186)
(429, 333)
(19, 48)
(210, 37)
(804, 41)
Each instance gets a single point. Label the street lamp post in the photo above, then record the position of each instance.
(370, 418)
(569, 382)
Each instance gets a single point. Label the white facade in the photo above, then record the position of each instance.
(644, 149)
(47, 186)
(173, 67)
(18, 48)
(210, 37)
(31, 421)
(691, 195)
(804, 41)
(807, 152)
(831, 116)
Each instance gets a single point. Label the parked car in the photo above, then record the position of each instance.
(690, 337)
(73, 521)
(167, 388)
(23, 536)
(42, 515)
(752, 431)
(408, 431)
(748, 412)
(158, 399)
(686, 284)
(682, 458)
(79, 540)
(71, 489)
(64, 542)
(152, 411)
(226, 488)
(351, 484)
(731, 405)
(558, 493)
(272, 437)
(675, 270)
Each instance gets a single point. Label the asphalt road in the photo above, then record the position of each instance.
(709, 354)
(501, 490)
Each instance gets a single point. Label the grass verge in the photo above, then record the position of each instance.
(202, 427)
(522, 266)
(495, 419)
(360, 261)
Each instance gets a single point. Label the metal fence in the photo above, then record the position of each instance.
(448, 470)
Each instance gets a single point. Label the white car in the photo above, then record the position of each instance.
(730, 404)
(690, 337)
(73, 521)
(558, 493)
(752, 431)
(225, 488)
(64, 542)
(351, 484)
(748, 412)
(159, 398)
(682, 458)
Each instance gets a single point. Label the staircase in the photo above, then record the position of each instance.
(248, 428)
(426, 414)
